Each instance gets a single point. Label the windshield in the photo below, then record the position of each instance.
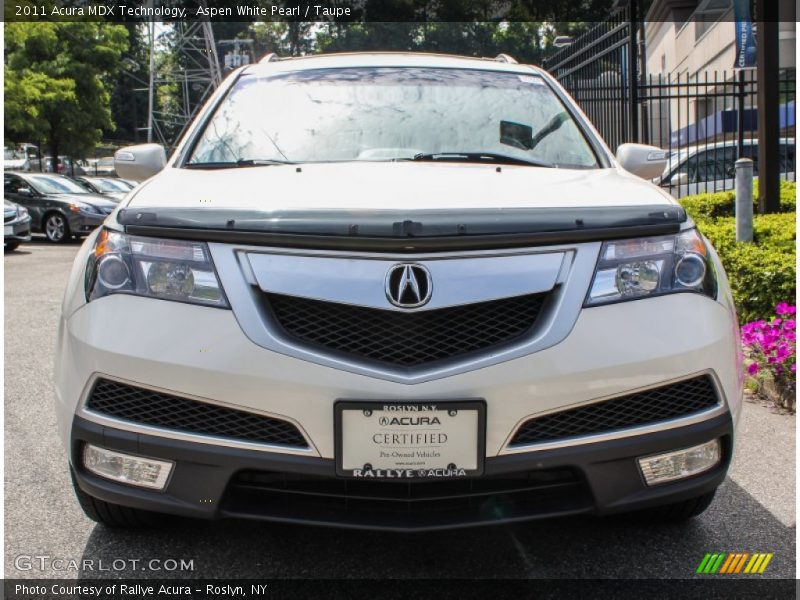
(45, 184)
(109, 185)
(391, 114)
(11, 154)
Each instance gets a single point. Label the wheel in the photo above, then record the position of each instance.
(114, 515)
(677, 511)
(11, 246)
(56, 228)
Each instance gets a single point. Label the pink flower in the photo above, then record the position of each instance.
(783, 308)
(752, 368)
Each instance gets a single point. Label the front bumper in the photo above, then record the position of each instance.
(202, 353)
(20, 230)
(211, 482)
(85, 223)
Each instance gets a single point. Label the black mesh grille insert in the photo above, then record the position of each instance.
(156, 409)
(406, 338)
(643, 408)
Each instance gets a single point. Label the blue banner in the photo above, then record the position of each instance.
(745, 39)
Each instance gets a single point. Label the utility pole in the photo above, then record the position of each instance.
(633, 72)
(767, 68)
(195, 71)
(152, 87)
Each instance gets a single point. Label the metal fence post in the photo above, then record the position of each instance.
(744, 200)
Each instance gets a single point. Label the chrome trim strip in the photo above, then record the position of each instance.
(364, 281)
(101, 419)
(697, 417)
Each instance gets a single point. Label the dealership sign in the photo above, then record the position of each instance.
(745, 38)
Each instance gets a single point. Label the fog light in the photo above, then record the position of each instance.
(125, 468)
(680, 463)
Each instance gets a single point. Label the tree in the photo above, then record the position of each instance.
(128, 86)
(57, 80)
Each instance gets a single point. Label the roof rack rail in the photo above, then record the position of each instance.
(506, 59)
(271, 57)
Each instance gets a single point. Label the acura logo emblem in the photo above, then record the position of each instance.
(408, 285)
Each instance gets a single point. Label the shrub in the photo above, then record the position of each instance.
(721, 204)
(761, 274)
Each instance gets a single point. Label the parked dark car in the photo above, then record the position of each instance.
(16, 225)
(58, 206)
(107, 186)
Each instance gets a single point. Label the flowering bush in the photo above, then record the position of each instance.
(771, 346)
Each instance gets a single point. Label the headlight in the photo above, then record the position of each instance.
(22, 212)
(78, 207)
(153, 267)
(645, 267)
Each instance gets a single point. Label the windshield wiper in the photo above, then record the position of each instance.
(242, 162)
(488, 157)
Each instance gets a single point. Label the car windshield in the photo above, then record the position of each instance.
(51, 184)
(361, 114)
(108, 185)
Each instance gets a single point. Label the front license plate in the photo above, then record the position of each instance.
(9, 230)
(402, 440)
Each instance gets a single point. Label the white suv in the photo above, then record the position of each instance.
(396, 291)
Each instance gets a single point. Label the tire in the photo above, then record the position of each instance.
(677, 512)
(11, 246)
(115, 516)
(56, 228)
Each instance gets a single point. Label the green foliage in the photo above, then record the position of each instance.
(722, 204)
(761, 273)
(56, 82)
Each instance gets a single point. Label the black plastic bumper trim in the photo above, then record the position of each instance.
(203, 472)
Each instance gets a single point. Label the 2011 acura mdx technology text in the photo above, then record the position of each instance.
(397, 291)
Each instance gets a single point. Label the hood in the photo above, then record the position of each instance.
(402, 199)
(97, 200)
(9, 208)
(395, 186)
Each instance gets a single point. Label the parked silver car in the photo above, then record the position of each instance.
(710, 168)
(59, 207)
(16, 225)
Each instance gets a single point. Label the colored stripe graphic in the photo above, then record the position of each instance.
(718, 564)
(727, 564)
(764, 564)
(734, 563)
(754, 563)
(710, 563)
(741, 562)
(703, 563)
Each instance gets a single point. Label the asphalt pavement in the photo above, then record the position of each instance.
(754, 510)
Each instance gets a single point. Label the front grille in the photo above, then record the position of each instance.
(398, 504)
(157, 409)
(406, 338)
(643, 408)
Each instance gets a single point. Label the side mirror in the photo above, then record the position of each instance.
(647, 162)
(25, 192)
(140, 162)
(679, 179)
